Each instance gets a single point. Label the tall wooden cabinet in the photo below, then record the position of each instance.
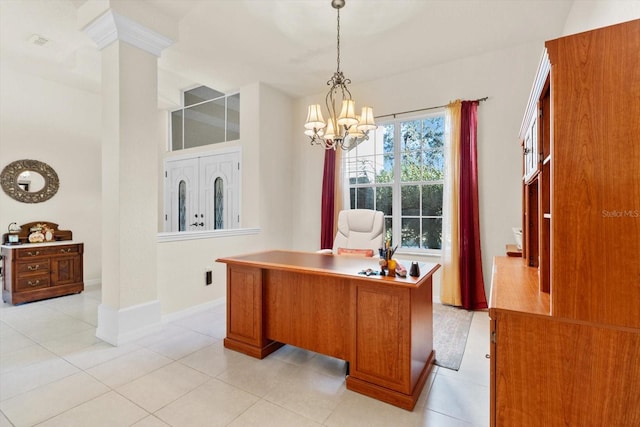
(565, 319)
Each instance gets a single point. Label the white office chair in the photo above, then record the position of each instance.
(360, 232)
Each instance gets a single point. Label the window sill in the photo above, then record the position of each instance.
(408, 252)
(207, 234)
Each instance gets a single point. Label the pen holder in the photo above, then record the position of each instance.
(415, 269)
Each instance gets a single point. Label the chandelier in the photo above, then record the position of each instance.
(347, 129)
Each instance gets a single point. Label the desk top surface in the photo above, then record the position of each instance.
(327, 264)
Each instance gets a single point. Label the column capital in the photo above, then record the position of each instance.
(111, 26)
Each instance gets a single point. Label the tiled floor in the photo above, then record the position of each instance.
(55, 372)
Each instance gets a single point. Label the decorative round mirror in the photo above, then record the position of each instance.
(29, 181)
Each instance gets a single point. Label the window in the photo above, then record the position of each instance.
(208, 117)
(399, 170)
(203, 193)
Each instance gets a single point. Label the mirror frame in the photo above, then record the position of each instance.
(11, 172)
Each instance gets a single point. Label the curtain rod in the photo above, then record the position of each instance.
(426, 109)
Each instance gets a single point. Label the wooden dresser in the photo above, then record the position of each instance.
(35, 271)
(565, 318)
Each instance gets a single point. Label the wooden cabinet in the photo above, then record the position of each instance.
(34, 272)
(565, 323)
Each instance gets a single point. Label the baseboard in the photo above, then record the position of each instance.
(177, 315)
(121, 326)
(92, 282)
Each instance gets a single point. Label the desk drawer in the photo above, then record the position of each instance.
(33, 267)
(35, 281)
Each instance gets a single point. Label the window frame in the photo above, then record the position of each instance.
(397, 184)
(193, 106)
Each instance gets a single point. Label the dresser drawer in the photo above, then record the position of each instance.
(27, 253)
(36, 266)
(31, 282)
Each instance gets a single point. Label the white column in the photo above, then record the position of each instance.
(131, 128)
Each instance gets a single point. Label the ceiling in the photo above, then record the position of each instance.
(289, 44)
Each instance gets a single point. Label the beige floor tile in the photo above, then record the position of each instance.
(24, 357)
(123, 385)
(124, 369)
(21, 380)
(4, 422)
(55, 327)
(150, 421)
(163, 333)
(327, 365)
(424, 395)
(309, 393)
(107, 410)
(293, 355)
(460, 399)
(428, 418)
(20, 315)
(77, 306)
(475, 365)
(266, 414)
(98, 353)
(51, 399)
(212, 404)
(213, 359)
(182, 344)
(12, 340)
(258, 376)
(72, 342)
(357, 410)
(211, 322)
(163, 386)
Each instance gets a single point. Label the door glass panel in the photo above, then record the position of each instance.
(219, 204)
(182, 206)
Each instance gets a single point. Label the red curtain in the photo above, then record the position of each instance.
(328, 200)
(471, 279)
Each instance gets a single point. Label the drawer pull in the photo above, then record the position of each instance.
(33, 267)
(36, 253)
(36, 283)
(66, 251)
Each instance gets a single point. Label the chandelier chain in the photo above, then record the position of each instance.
(338, 41)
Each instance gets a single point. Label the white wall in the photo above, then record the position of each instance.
(58, 125)
(266, 204)
(587, 15)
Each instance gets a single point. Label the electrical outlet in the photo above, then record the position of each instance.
(208, 277)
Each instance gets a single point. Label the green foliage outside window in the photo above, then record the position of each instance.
(372, 179)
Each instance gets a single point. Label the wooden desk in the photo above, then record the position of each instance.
(382, 326)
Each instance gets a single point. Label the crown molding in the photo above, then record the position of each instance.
(111, 26)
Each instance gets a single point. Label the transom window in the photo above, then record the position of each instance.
(208, 117)
(399, 170)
